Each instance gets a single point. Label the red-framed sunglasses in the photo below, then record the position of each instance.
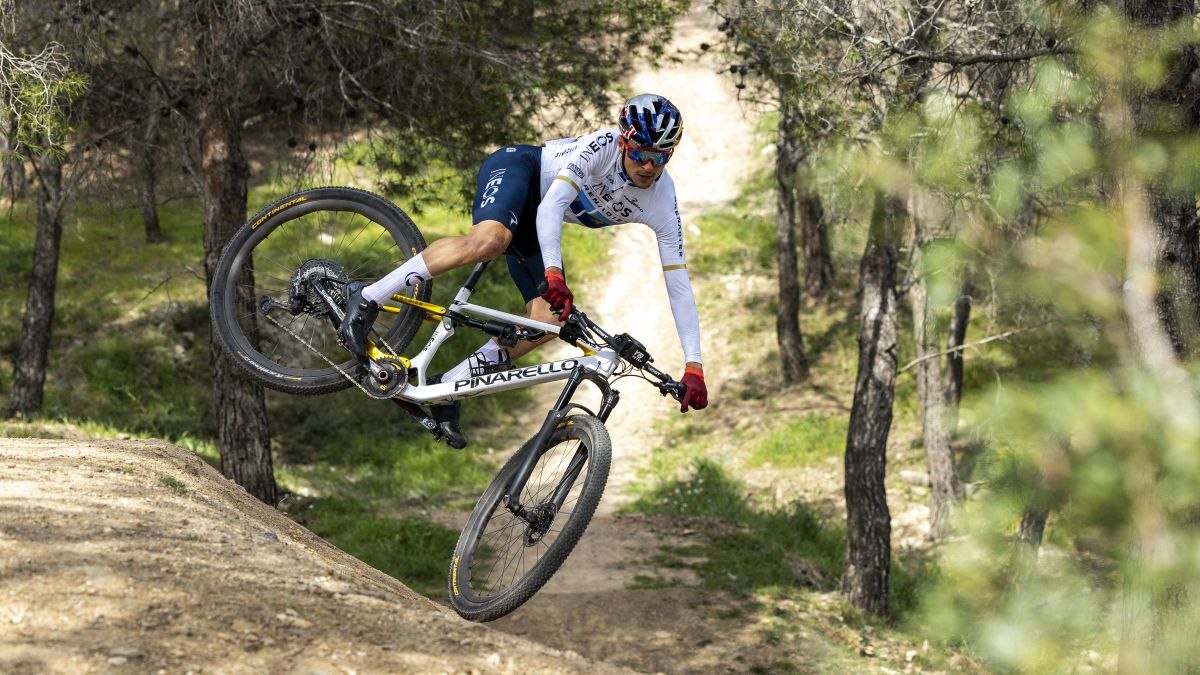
(643, 155)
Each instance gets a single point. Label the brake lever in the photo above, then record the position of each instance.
(677, 390)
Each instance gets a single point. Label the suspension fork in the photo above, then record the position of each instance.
(512, 500)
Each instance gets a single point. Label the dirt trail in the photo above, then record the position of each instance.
(136, 556)
(590, 605)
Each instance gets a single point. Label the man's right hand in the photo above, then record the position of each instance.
(557, 293)
(696, 396)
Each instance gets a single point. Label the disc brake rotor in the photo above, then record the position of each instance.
(544, 515)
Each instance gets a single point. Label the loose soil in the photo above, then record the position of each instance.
(122, 556)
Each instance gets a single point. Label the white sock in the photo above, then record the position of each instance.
(411, 273)
(490, 352)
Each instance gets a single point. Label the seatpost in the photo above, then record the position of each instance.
(475, 274)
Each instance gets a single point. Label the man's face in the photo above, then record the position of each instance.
(644, 174)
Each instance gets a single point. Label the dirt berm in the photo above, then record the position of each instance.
(123, 556)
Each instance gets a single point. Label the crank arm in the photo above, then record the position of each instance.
(418, 414)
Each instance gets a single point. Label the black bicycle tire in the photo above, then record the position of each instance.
(230, 335)
(599, 456)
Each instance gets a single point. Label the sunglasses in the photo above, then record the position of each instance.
(643, 155)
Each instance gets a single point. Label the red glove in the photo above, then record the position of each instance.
(557, 294)
(696, 395)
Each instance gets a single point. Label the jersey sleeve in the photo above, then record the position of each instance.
(592, 154)
(668, 228)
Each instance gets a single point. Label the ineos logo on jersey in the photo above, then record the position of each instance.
(594, 146)
(491, 187)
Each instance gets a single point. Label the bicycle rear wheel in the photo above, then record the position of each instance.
(298, 252)
(501, 560)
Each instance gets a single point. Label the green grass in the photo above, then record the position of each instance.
(731, 241)
(800, 441)
(411, 549)
(766, 549)
(761, 551)
(176, 486)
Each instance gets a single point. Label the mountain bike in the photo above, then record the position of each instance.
(277, 298)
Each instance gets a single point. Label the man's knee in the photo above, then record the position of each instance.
(539, 310)
(488, 239)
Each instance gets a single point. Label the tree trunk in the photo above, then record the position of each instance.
(955, 339)
(243, 436)
(787, 320)
(945, 489)
(1178, 232)
(814, 239)
(1028, 545)
(868, 521)
(1168, 112)
(29, 371)
(1033, 526)
(147, 177)
(12, 167)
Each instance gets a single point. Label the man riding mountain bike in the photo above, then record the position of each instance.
(523, 195)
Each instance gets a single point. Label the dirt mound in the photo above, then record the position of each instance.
(137, 556)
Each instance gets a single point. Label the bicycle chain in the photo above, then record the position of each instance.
(326, 359)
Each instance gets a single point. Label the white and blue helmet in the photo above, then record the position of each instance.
(651, 121)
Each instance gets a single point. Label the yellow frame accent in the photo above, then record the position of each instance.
(376, 354)
(433, 312)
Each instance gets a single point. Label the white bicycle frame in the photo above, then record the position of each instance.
(597, 364)
(595, 360)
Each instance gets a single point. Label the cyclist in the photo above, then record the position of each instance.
(524, 193)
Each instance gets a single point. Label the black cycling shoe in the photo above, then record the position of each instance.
(360, 316)
(446, 416)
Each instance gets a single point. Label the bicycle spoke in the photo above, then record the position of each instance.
(506, 555)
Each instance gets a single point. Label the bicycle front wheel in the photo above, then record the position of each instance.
(501, 560)
(272, 288)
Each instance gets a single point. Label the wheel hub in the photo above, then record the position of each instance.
(543, 516)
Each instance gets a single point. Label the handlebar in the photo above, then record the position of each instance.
(626, 347)
(624, 344)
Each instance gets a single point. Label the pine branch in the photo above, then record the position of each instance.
(962, 347)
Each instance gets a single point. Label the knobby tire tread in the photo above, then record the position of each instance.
(599, 445)
(398, 338)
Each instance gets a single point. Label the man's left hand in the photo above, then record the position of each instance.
(696, 395)
(557, 293)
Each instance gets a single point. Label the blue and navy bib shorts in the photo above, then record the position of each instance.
(508, 190)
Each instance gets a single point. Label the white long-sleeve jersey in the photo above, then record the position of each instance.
(583, 182)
